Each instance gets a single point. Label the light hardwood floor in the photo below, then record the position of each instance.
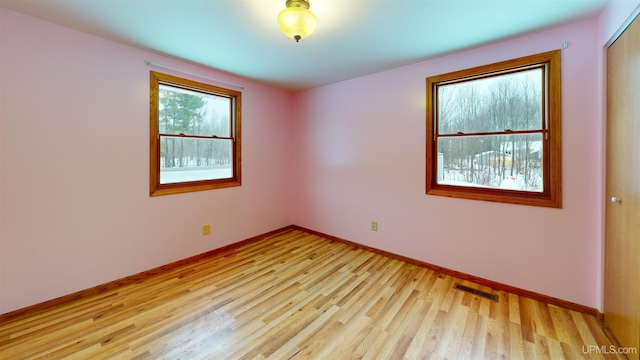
(300, 296)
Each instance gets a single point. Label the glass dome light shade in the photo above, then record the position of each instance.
(297, 23)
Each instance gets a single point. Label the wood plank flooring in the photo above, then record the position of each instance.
(300, 296)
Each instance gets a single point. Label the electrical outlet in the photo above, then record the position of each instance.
(374, 226)
(206, 229)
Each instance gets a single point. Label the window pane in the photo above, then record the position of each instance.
(512, 101)
(193, 113)
(184, 159)
(512, 162)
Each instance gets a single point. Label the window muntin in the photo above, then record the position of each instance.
(195, 136)
(494, 132)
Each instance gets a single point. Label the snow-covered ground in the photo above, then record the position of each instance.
(516, 182)
(176, 175)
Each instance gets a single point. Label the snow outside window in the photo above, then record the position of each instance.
(195, 136)
(493, 132)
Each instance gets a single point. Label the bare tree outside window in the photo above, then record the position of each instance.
(195, 136)
(508, 103)
(494, 132)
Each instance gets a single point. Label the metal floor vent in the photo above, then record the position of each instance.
(473, 291)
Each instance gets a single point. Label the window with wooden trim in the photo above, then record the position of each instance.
(195, 136)
(493, 132)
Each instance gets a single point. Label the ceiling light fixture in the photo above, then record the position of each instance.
(296, 21)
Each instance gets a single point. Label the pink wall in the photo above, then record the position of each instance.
(74, 208)
(615, 17)
(360, 156)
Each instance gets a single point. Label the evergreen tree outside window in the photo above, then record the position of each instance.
(493, 132)
(195, 136)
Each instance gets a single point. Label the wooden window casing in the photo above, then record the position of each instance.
(233, 136)
(550, 130)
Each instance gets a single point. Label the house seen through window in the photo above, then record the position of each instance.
(494, 132)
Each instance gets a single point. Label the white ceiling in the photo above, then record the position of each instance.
(353, 37)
